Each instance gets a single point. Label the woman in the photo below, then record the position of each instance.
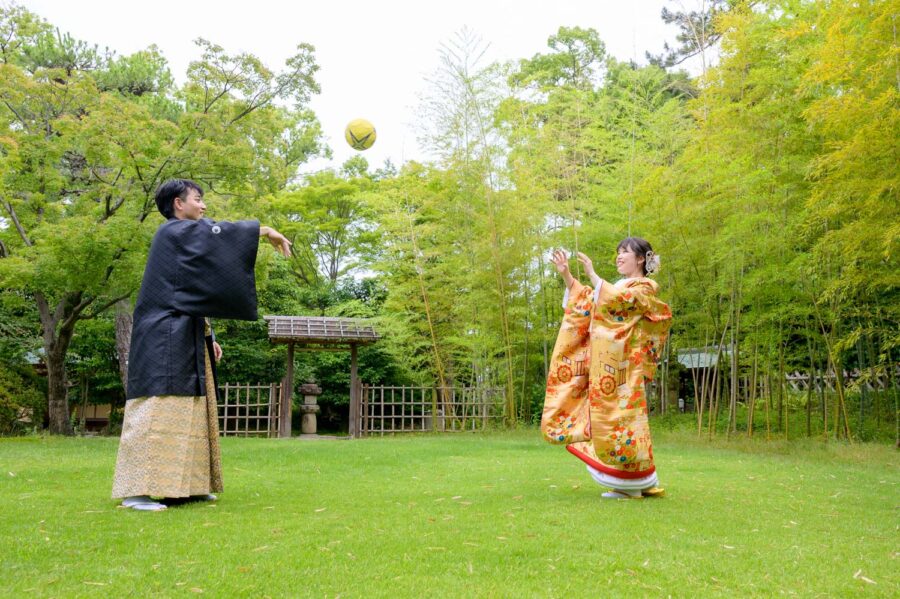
(608, 347)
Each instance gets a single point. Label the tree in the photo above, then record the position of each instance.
(330, 226)
(86, 142)
(697, 31)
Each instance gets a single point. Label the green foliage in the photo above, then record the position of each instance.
(697, 31)
(22, 401)
(329, 223)
(92, 359)
(20, 30)
(576, 62)
(143, 73)
(331, 370)
(19, 336)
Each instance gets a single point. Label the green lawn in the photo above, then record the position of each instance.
(453, 516)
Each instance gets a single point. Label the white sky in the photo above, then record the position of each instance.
(373, 54)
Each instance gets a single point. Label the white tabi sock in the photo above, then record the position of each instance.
(142, 503)
(621, 494)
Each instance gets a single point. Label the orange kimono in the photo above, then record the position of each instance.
(604, 356)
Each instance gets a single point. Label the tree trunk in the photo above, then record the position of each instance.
(56, 343)
(84, 402)
(124, 323)
(57, 391)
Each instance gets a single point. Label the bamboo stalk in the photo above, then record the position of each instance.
(419, 277)
(753, 391)
(839, 381)
(700, 396)
(809, 388)
(768, 384)
(824, 395)
(863, 392)
(876, 408)
(714, 402)
(716, 387)
(781, 390)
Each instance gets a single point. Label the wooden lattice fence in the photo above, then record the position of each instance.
(799, 381)
(249, 410)
(400, 409)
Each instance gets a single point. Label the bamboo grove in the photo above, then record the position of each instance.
(767, 182)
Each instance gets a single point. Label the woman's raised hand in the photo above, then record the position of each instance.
(587, 265)
(560, 261)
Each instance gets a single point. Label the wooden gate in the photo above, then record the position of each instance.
(391, 409)
(249, 410)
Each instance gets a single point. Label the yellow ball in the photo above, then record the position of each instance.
(360, 134)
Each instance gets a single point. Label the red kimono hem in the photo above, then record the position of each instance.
(606, 469)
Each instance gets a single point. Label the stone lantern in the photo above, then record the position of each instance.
(309, 408)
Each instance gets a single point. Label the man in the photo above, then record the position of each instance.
(196, 269)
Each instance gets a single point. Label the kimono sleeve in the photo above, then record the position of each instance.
(215, 271)
(638, 299)
(566, 414)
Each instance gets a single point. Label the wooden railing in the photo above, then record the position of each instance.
(400, 409)
(249, 410)
(799, 381)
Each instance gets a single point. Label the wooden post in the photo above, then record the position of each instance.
(270, 428)
(354, 395)
(284, 420)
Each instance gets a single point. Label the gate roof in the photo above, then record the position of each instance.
(321, 332)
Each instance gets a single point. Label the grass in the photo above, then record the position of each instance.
(457, 516)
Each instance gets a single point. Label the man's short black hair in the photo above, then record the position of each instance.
(171, 189)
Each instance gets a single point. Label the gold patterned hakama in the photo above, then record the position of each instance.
(170, 445)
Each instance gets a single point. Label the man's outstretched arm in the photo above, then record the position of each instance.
(281, 243)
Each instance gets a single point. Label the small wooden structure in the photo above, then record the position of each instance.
(248, 410)
(320, 333)
(392, 409)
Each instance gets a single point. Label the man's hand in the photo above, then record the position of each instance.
(278, 241)
(217, 351)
